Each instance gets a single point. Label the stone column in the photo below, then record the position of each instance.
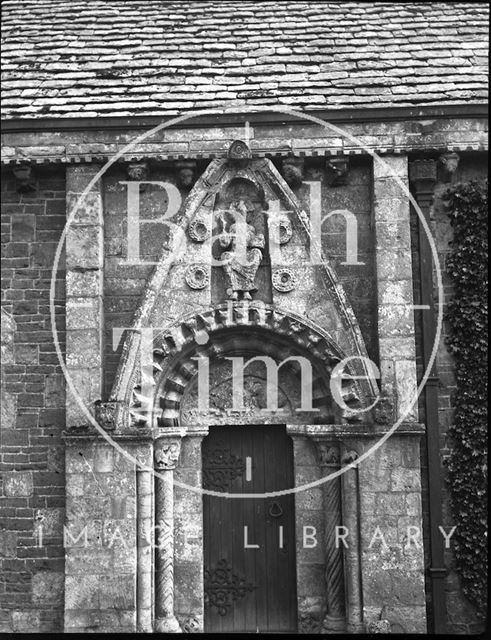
(145, 539)
(351, 554)
(188, 530)
(166, 455)
(394, 285)
(335, 618)
(84, 291)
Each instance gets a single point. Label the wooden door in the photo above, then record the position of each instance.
(249, 543)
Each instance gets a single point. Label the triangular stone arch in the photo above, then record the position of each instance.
(181, 294)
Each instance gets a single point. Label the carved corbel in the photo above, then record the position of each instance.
(293, 171)
(448, 163)
(137, 171)
(24, 178)
(111, 415)
(337, 169)
(186, 173)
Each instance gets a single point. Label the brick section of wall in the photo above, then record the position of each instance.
(461, 617)
(33, 412)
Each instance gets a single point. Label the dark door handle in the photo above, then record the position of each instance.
(275, 510)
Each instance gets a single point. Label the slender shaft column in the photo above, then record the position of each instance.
(351, 554)
(144, 479)
(166, 456)
(335, 618)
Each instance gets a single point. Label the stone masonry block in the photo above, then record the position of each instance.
(17, 483)
(8, 544)
(78, 177)
(83, 347)
(390, 167)
(87, 209)
(8, 409)
(391, 236)
(397, 348)
(406, 381)
(83, 313)
(47, 587)
(26, 621)
(84, 247)
(83, 283)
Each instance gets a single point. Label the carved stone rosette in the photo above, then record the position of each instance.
(197, 276)
(284, 280)
(198, 230)
(166, 456)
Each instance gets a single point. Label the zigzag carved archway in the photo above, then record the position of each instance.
(246, 329)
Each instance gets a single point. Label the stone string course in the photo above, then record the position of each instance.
(307, 139)
(163, 58)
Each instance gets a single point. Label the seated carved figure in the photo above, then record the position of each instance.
(243, 253)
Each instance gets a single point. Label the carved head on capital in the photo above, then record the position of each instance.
(167, 453)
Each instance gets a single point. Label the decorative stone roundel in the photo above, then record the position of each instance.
(197, 276)
(286, 230)
(284, 280)
(197, 230)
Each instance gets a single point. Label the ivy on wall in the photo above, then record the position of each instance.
(467, 321)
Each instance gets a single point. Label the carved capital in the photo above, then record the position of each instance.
(337, 171)
(328, 452)
(166, 453)
(349, 457)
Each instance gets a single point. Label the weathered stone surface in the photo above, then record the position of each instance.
(17, 483)
(47, 587)
(83, 247)
(26, 621)
(8, 544)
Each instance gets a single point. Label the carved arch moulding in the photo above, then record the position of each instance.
(200, 302)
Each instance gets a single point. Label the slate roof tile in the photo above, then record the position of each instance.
(102, 57)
